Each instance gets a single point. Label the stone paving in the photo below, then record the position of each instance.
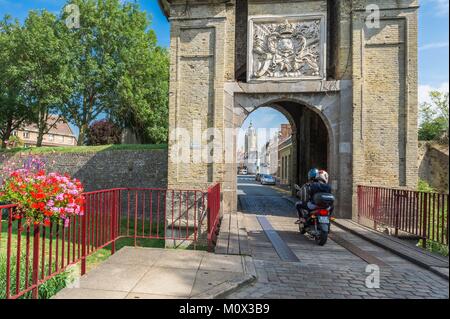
(148, 273)
(324, 272)
(331, 271)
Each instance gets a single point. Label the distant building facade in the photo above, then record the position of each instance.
(269, 157)
(251, 150)
(240, 159)
(59, 135)
(285, 155)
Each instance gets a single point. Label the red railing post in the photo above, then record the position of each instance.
(358, 200)
(135, 216)
(83, 241)
(376, 208)
(8, 253)
(113, 224)
(208, 216)
(35, 270)
(397, 212)
(425, 221)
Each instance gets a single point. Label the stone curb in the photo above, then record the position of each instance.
(229, 286)
(397, 252)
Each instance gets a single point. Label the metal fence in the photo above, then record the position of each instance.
(213, 214)
(421, 214)
(32, 254)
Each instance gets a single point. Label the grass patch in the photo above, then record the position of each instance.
(435, 247)
(85, 149)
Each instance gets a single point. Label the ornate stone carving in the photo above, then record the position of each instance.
(286, 48)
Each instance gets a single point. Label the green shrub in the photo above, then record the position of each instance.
(423, 186)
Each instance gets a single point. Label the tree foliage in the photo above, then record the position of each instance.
(143, 91)
(119, 70)
(14, 112)
(109, 67)
(434, 118)
(103, 132)
(45, 60)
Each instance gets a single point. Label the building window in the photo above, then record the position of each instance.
(51, 137)
(26, 134)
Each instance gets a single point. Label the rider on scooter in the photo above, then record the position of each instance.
(317, 183)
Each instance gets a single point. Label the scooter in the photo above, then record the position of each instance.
(317, 221)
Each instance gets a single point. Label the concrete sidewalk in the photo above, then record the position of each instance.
(149, 273)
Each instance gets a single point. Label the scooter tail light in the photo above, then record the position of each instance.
(323, 212)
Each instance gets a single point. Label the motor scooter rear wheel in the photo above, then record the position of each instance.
(321, 240)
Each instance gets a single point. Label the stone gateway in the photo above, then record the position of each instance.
(344, 73)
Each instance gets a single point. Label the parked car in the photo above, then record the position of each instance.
(243, 171)
(267, 180)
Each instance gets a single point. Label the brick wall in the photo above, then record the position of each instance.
(106, 169)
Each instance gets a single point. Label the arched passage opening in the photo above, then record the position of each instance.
(307, 146)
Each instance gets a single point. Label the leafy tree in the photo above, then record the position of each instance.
(103, 132)
(45, 59)
(14, 112)
(144, 95)
(434, 118)
(116, 51)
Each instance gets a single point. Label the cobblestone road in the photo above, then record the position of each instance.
(323, 272)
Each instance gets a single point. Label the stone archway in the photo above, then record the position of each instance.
(361, 82)
(293, 124)
(316, 135)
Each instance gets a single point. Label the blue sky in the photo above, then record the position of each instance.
(433, 42)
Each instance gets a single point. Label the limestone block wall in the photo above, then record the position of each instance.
(202, 59)
(105, 169)
(433, 165)
(342, 44)
(384, 66)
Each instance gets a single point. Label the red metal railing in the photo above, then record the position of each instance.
(33, 254)
(422, 214)
(213, 214)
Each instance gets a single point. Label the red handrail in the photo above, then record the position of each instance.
(421, 214)
(34, 254)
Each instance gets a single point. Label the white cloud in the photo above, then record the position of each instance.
(436, 45)
(424, 91)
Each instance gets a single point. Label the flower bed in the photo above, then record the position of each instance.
(41, 197)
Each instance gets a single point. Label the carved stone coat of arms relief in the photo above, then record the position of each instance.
(286, 48)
